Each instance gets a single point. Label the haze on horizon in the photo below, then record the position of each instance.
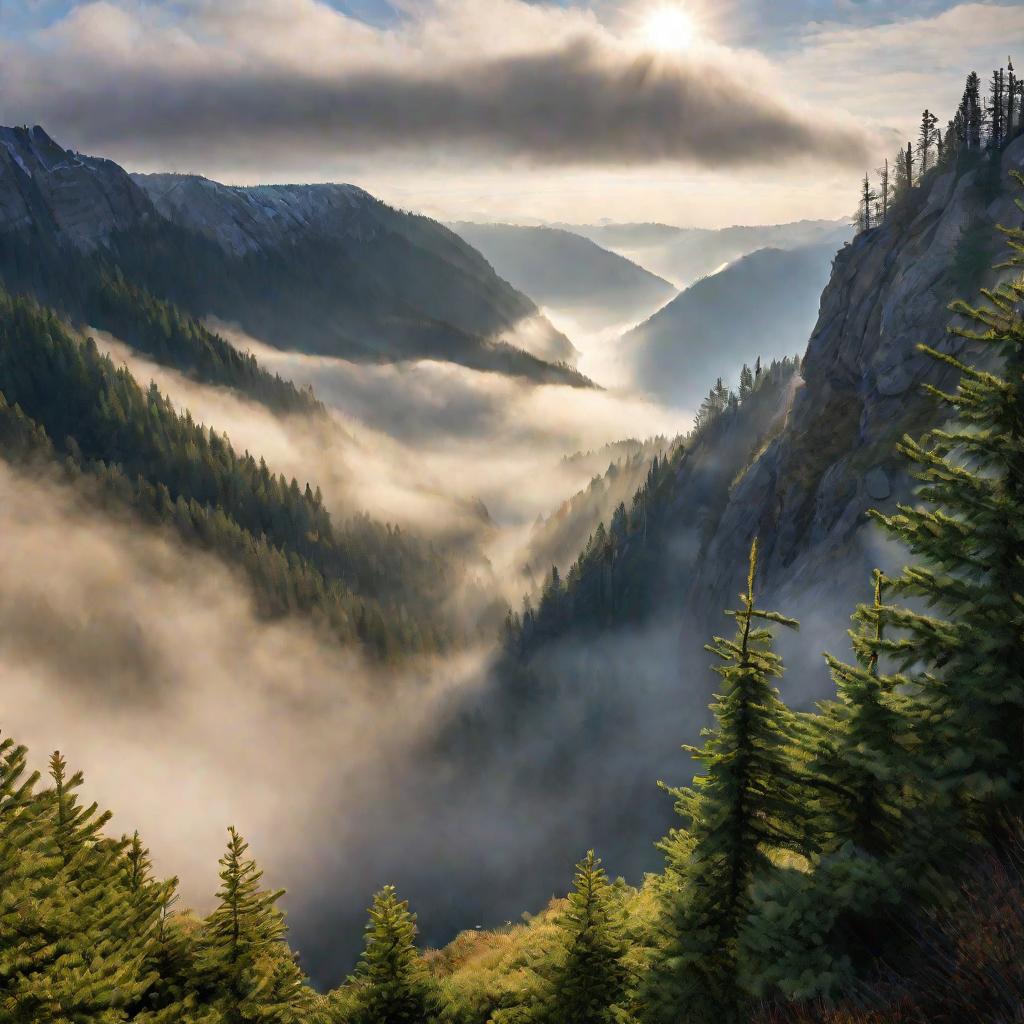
(678, 111)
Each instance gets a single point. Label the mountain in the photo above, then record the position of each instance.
(566, 272)
(803, 486)
(683, 255)
(763, 305)
(319, 268)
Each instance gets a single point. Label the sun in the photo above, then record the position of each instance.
(669, 28)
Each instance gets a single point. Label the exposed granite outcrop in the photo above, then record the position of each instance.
(807, 494)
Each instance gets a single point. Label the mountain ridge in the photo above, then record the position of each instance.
(409, 288)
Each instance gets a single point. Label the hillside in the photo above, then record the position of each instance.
(684, 255)
(66, 411)
(566, 272)
(762, 306)
(805, 492)
(326, 269)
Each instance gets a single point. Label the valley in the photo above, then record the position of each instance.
(409, 548)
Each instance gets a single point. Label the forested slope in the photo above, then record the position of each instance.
(65, 401)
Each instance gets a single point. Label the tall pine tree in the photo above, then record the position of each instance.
(747, 804)
(588, 978)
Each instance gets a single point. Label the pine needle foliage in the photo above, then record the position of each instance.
(391, 983)
(965, 651)
(747, 805)
(588, 979)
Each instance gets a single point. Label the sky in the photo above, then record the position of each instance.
(691, 112)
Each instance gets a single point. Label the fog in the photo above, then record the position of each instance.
(146, 664)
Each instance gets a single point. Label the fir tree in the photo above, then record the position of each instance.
(861, 761)
(245, 969)
(965, 655)
(973, 117)
(589, 977)
(926, 138)
(391, 984)
(746, 382)
(747, 803)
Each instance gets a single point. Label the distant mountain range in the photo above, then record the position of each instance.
(683, 255)
(319, 268)
(763, 305)
(567, 272)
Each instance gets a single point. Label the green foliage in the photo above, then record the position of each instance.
(622, 573)
(746, 806)
(964, 656)
(243, 967)
(367, 582)
(93, 291)
(587, 979)
(391, 983)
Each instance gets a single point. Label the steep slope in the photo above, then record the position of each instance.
(683, 255)
(330, 269)
(763, 305)
(807, 494)
(567, 272)
(66, 408)
(805, 484)
(320, 268)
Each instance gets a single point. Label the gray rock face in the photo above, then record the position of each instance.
(243, 220)
(80, 199)
(807, 495)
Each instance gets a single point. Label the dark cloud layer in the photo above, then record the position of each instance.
(578, 104)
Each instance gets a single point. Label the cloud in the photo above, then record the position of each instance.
(505, 80)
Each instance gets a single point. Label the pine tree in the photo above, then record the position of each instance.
(965, 654)
(996, 111)
(867, 200)
(1011, 101)
(391, 984)
(244, 965)
(926, 138)
(748, 803)
(82, 940)
(973, 116)
(861, 761)
(588, 979)
(884, 190)
(746, 382)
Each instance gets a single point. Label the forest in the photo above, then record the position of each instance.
(66, 405)
(862, 863)
(859, 862)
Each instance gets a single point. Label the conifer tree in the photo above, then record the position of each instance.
(867, 200)
(747, 803)
(1011, 100)
(82, 939)
(965, 654)
(861, 762)
(245, 969)
(391, 984)
(588, 979)
(973, 117)
(746, 382)
(926, 138)
(884, 189)
(996, 111)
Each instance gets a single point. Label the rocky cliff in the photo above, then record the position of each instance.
(79, 199)
(807, 493)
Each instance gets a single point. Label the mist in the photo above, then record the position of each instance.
(189, 712)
